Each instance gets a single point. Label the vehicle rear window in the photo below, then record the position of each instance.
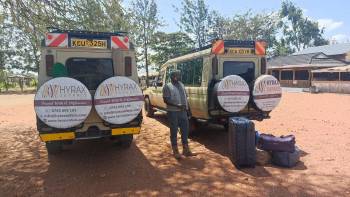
(90, 71)
(246, 70)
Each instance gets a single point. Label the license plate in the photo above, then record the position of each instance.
(89, 43)
(241, 51)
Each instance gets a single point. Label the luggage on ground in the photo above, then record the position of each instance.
(272, 143)
(242, 142)
(286, 159)
(262, 157)
(257, 136)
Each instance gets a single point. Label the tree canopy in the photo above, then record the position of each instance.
(24, 23)
(170, 45)
(299, 32)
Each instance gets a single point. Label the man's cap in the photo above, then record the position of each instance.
(173, 72)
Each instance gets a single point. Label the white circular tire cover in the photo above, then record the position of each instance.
(118, 100)
(267, 92)
(62, 102)
(233, 93)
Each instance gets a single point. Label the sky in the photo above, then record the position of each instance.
(333, 15)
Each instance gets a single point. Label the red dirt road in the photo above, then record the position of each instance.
(320, 123)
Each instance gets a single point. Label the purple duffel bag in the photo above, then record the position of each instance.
(270, 142)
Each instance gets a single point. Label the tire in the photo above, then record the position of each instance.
(54, 147)
(148, 108)
(226, 127)
(126, 141)
(193, 124)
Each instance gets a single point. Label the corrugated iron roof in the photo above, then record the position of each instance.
(319, 59)
(334, 69)
(334, 49)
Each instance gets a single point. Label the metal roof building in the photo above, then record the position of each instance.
(336, 51)
(311, 60)
(335, 79)
(295, 70)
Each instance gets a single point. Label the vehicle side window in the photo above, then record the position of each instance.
(167, 73)
(197, 73)
(191, 71)
(160, 78)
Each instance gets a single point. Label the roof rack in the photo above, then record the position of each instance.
(227, 43)
(84, 32)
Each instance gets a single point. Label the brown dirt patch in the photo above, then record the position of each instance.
(97, 168)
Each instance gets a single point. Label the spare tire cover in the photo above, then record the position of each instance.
(62, 102)
(233, 93)
(118, 100)
(267, 92)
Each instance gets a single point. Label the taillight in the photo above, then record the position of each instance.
(49, 64)
(260, 47)
(128, 68)
(263, 66)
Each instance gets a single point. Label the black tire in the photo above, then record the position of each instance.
(148, 108)
(226, 127)
(54, 147)
(126, 141)
(193, 124)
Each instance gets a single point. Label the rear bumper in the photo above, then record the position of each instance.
(71, 135)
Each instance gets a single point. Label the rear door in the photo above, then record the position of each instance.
(90, 67)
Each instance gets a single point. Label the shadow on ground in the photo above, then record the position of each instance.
(99, 168)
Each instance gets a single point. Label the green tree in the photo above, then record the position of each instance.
(145, 22)
(299, 31)
(170, 45)
(29, 20)
(247, 26)
(196, 20)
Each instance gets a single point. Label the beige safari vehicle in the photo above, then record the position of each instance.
(90, 58)
(203, 70)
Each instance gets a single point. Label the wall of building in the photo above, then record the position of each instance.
(332, 86)
(293, 77)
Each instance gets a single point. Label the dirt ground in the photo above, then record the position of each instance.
(320, 123)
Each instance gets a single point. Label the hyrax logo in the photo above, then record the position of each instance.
(231, 84)
(268, 86)
(112, 89)
(55, 90)
(50, 91)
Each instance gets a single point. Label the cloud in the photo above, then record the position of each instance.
(341, 38)
(304, 10)
(329, 24)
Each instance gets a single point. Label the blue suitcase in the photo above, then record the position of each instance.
(286, 159)
(241, 142)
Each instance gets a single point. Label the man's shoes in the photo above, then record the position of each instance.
(176, 152)
(187, 152)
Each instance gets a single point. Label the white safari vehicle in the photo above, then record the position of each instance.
(88, 88)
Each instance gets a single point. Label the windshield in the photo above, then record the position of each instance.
(90, 71)
(242, 69)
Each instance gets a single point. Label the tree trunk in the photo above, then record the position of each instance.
(145, 53)
(146, 66)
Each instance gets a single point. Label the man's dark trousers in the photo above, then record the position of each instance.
(178, 119)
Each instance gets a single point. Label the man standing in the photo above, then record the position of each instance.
(175, 98)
